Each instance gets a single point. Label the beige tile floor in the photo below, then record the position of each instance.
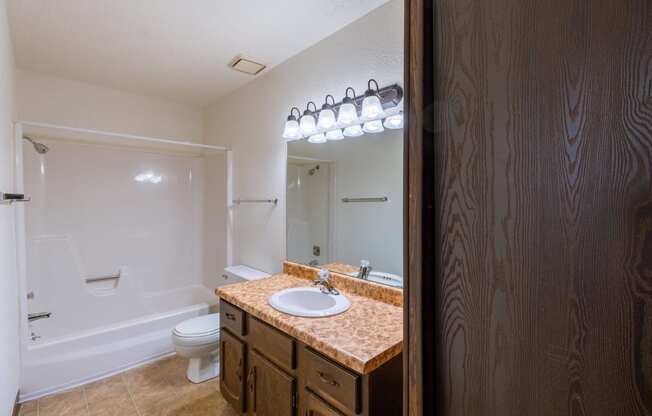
(156, 389)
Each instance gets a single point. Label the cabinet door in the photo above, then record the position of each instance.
(232, 355)
(314, 406)
(271, 392)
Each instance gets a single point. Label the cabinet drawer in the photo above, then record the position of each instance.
(232, 318)
(272, 343)
(334, 383)
(317, 407)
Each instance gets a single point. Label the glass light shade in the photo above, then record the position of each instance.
(335, 135)
(371, 107)
(353, 131)
(394, 122)
(291, 130)
(347, 115)
(307, 124)
(326, 119)
(317, 138)
(375, 126)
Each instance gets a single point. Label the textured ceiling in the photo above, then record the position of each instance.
(176, 49)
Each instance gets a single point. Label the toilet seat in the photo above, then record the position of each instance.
(199, 326)
(196, 341)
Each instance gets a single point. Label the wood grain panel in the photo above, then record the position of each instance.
(544, 200)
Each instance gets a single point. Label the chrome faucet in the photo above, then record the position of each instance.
(31, 317)
(324, 283)
(365, 269)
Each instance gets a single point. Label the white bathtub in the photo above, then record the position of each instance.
(51, 365)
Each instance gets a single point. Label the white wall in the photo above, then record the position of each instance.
(53, 100)
(48, 99)
(251, 120)
(9, 322)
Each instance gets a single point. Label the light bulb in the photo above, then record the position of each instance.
(371, 107)
(375, 126)
(326, 119)
(307, 124)
(335, 135)
(353, 131)
(291, 130)
(348, 114)
(395, 121)
(317, 138)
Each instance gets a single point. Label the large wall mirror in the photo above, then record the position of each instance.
(345, 205)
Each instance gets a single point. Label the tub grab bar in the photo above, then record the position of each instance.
(103, 278)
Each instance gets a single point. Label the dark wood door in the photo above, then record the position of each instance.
(314, 406)
(542, 160)
(232, 383)
(270, 391)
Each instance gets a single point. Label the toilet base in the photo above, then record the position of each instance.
(203, 368)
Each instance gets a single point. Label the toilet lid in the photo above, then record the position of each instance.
(199, 326)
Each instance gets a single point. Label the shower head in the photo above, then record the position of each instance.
(313, 170)
(39, 147)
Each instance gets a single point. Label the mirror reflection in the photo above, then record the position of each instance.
(345, 205)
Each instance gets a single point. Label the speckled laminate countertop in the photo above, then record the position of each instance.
(363, 338)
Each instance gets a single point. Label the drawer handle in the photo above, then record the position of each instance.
(230, 316)
(251, 380)
(327, 379)
(238, 372)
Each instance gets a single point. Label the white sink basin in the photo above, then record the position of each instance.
(308, 302)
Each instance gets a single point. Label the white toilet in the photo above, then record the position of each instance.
(199, 338)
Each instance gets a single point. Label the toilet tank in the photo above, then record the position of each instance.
(241, 273)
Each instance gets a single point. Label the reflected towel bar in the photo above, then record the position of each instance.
(102, 278)
(7, 199)
(256, 201)
(377, 199)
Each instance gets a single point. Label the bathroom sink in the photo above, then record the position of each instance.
(308, 302)
(382, 277)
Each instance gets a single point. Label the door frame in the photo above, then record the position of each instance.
(420, 220)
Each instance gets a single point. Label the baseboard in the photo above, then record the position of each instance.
(16, 405)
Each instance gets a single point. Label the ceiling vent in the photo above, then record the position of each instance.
(247, 66)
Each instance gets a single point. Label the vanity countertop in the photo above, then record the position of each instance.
(363, 338)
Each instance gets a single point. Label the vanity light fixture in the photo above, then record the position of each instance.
(395, 121)
(353, 131)
(327, 115)
(371, 106)
(317, 138)
(307, 124)
(348, 112)
(380, 109)
(374, 126)
(291, 130)
(335, 134)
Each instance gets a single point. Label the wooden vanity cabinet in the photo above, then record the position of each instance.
(232, 367)
(314, 406)
(281, 376)
(270, 390)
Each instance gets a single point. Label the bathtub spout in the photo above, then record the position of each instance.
(36, 316)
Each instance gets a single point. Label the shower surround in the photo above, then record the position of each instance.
(116, 247)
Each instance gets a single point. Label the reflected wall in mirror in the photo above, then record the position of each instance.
(345, 205)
